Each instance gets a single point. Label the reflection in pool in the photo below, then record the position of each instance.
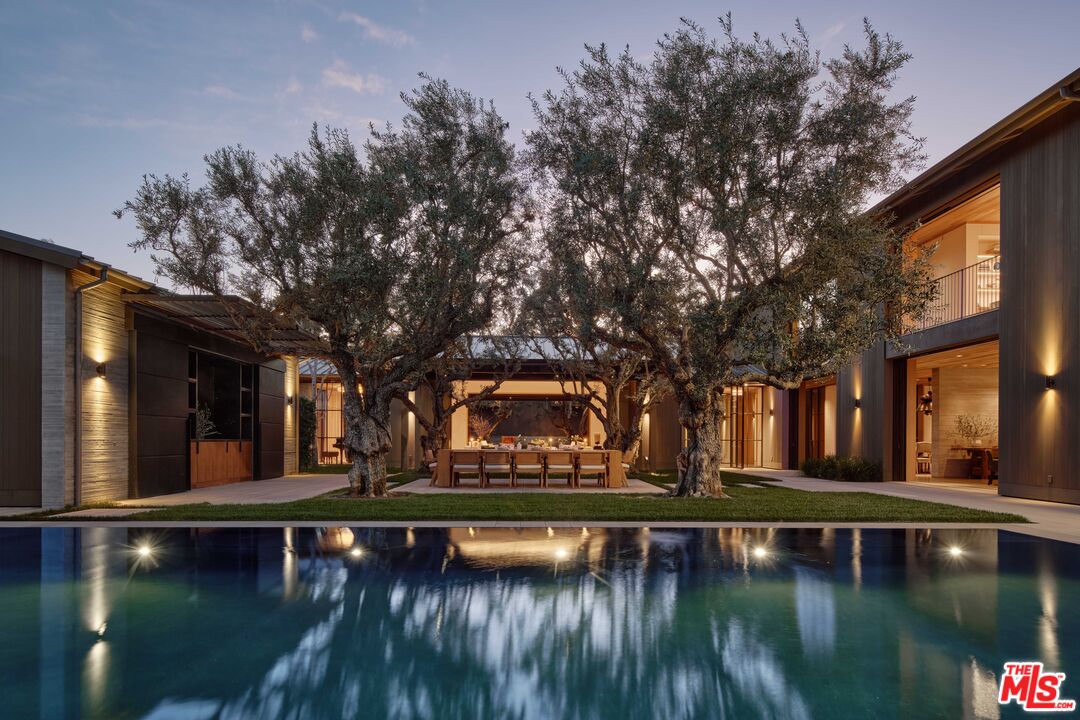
(583, 623)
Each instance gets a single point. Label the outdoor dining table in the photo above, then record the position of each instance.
(616, 472)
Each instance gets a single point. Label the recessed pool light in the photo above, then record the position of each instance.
(144, 551)
(561, 554)
(356, 552)
(760, 552)
(956, 550)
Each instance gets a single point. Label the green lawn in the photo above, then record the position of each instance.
(766, 504)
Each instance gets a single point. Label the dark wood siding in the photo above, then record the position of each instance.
(270, 421)
(161, 407)
(161, 435)
(20, 380)
(1040, 320)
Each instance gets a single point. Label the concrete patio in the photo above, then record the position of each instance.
(1056, 521)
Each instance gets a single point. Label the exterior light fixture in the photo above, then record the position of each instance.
(858, 403)
(926, 403)
(101, 370)
(1051, 382)
(289, 400)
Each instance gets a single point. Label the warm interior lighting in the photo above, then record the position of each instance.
(760, 552)
(101, 370)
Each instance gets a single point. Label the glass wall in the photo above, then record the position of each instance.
(741, 429)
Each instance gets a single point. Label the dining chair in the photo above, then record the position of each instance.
(528, 463)
(497, 463)
(592, 463)
(431, 464)
(559, 463)
(466, 462)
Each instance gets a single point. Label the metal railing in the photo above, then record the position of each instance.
(970, 291)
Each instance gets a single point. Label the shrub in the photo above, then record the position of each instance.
(849, 469)
(811, 467)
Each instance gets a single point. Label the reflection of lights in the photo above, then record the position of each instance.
(760, 552)
(356, 553)
(551, 532)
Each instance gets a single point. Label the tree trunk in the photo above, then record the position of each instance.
(367, 437)
(699, 461)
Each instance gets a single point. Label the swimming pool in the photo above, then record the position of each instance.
(538, 623)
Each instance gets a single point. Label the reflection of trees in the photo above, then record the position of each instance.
(408, 636)
(670, 623)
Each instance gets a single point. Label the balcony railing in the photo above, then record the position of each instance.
(973, 290)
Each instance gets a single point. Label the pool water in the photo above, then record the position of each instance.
(576, 623)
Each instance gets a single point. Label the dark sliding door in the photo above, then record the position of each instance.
(815, 422)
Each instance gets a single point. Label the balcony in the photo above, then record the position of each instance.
(973, 290)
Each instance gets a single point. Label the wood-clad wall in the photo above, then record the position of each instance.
(20, 380)
(292, 414)
(104, 423)
(1040, 321)
(270, 420)
(160, 422)
(860, 432)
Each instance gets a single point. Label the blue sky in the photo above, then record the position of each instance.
(94, 93)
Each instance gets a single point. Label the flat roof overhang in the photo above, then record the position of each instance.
(229, 317)
(1001, 133)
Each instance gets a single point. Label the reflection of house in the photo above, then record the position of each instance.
(118, 417)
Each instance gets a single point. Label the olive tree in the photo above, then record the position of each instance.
(707, 207)
(390, 256)
(616, 384)
(444, 379)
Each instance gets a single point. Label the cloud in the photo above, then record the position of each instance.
(831, 32)
(124, 123)
(308, 34)
(221, 91)
(339, 75)
(379, 33)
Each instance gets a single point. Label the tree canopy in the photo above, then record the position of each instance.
(707, 207)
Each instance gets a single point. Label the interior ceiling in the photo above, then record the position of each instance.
(984, 208)
(983, 355)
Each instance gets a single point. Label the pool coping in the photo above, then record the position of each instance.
(1032, 529)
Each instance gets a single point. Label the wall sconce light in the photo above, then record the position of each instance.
(858, 403)
(101, 370)
(1051, 382)
(289, 400)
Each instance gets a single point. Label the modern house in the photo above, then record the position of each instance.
(985, 387)
(1000, 348)
(113, 388)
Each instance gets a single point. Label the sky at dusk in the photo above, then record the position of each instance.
(94, 93)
